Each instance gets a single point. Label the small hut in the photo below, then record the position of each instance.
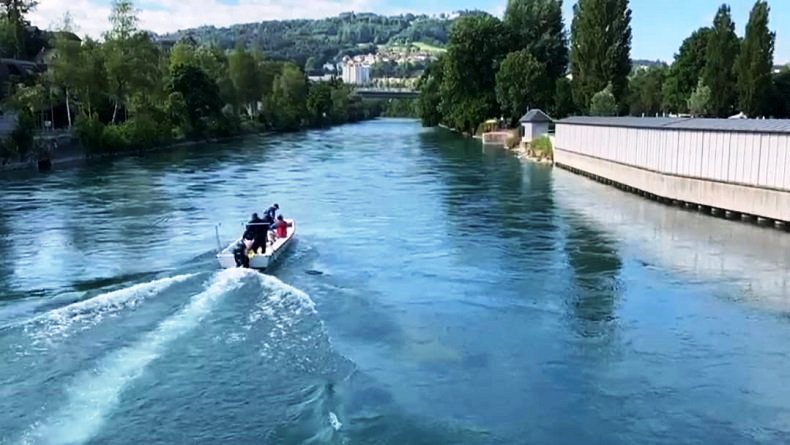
(534, 125)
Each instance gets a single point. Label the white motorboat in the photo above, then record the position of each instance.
(259, 261)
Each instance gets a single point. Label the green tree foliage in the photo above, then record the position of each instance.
(685, 71)
(430, 98)
(699, 102)
(537, 27)
(325, 40)
(522, 83)
(67, 68)
(14, 12)
(289, 98)
(780, 97)
(127, 94)
(400, 108)
(754, 63)
(645, 95)
(93, 85)
(600, 48)
(246, 78)
(603, 103)
(719, 72)
(319, 103)
(199, 95)
(118, 55)
(563, 99)
(477, 44)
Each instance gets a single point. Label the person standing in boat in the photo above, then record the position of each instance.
(258, 229)
(271, 213)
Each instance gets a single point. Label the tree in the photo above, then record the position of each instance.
(477, 44)
(780, 97)
(201, 100)
(537, 26)
(700, 100)
(243, 70)
(341, 103)
(563, 99)
(754, 63)
(182, 53)
(645, 96)
(289, 97)
(685, 71)
(603, 103)
(118, 57)
(719, 73)
(14, 12)
(93, 85)
(522, 83)
(319, 102)
(67, 67)
(429, 100)
(600, 48)
(123, 20)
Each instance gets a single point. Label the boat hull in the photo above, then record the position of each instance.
(260, 262)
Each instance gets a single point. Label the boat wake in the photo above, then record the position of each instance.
(94, 393)
(58, 323)
(275, 321)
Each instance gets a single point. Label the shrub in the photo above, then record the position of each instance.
(90, 132)
(541, 148)
(143, 131)
(115, 139)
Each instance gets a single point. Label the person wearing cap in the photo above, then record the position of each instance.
(271, 213)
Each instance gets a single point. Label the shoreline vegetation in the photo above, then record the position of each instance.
(127, 94)
(496, 68)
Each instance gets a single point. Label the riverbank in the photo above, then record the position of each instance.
(76, 154)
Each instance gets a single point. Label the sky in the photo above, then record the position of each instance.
(659, 26)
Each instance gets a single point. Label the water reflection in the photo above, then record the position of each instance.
(595, 266)
(753, 262)
(489, 191)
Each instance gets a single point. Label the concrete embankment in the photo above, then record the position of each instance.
(733, 168)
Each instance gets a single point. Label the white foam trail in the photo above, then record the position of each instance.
(333, 420)
(94, 394)
(283, 305)
(92, 310)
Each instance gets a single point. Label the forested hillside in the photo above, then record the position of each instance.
(325, 40)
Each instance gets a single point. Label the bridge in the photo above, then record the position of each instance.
(387, 93)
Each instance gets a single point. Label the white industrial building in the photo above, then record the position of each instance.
(739, 165)
(355, 73)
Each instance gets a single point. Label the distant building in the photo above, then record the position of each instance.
(355, 73)
(323, 78)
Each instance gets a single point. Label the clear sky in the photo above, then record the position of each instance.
(659, 26)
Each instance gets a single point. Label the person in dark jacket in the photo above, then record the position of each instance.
(240, 255)
(271, 213)
(258, 230)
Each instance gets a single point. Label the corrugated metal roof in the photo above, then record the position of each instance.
(628, 121)
(678, 123)
(748, 125)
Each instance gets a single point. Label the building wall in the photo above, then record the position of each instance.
(753, 159)
(741, 172)
(533, 131)
(356, 74)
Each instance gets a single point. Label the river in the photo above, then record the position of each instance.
(438, 293)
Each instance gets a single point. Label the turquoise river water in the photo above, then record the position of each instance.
(438, 293)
